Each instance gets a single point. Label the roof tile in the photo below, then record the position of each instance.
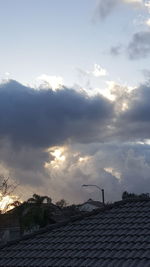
(115, 236)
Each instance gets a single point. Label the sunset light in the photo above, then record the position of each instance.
(6, 201)
(58, 157)
(57, 153)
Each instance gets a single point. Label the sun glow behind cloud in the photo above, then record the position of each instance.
(112, 171)
(57, 153)
(6, 201)
(84, 159)
(59, 157)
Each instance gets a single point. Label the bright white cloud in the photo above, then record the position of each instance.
(53, 82)
(99, 71)
(114, 92)
(120, 94)
(59, 157)
(105, 92)
(113, 172)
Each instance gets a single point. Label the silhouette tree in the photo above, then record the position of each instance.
(38, 200)
(61, 203)
(35, 212)
(126, 195)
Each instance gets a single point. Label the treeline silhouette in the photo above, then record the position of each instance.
(127, 195)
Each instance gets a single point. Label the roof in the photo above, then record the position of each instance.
(117, 235)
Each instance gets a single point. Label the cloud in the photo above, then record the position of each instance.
(33, 121)
(139, 46)
(25, 164)
(139, 107)
(142, 20)
(97, 71)
(116, 167)
(104, 8)
(134, 123)
(54, 141)
(116, 50)
(44, 118)
(132, 163)
(47, 81)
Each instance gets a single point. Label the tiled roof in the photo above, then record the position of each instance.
(117, 236)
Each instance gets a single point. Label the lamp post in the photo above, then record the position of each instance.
(102, 190)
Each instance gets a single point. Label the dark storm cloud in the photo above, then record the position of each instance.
(139, 106)
(44, 118)
(134, 123)
(139, 46)
(25, 164)
(33, 120)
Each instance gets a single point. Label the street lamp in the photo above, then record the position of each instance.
(102, 190)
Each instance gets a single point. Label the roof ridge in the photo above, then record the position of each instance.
(130, 200)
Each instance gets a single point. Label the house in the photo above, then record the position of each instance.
(90, 205)
(117, 235)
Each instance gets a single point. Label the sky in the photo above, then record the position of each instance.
(75, 97)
